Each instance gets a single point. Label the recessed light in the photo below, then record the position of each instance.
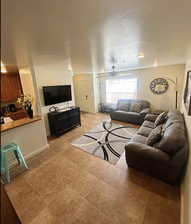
(140, 55)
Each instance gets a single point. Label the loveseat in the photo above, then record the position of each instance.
(166, 159)
(131, 111)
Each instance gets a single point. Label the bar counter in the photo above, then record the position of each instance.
(18, 123)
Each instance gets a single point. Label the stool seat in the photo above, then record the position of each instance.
(8, 147)
(12, 147)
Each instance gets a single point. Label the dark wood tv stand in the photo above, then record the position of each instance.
(64, 120)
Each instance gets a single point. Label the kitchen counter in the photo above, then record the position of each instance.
(18, 123)
(17, 115)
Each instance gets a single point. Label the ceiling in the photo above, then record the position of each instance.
(89, 33)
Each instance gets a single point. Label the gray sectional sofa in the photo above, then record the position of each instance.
(131, 111)
(167, 158)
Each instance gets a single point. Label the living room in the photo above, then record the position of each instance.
(86, 87)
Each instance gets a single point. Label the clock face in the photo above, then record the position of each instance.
(159, 86)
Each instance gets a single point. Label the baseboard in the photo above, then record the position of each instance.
(181, 205)
(14, 163)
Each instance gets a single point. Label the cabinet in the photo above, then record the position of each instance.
(11, 87)
(8, 214)
(62, 121)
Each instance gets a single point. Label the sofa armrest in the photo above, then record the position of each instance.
(145, 111)
(151, 117)
(146, 152)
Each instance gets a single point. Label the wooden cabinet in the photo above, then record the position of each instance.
(61, 122)
(8, 214)
(11, 87)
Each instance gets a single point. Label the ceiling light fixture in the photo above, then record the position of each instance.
(3, 69)
(113, 71)
(140, 55)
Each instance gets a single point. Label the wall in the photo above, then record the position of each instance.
(186, 186)
(96, 93)
(28, 86)
(145, 76)
(49, 71)
(31, 138)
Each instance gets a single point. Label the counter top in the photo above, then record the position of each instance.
(18, 123)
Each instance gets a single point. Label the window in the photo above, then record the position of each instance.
(120, 89)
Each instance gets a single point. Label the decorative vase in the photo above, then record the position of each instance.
(29, 111)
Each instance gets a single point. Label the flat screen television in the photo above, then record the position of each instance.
(57, 94)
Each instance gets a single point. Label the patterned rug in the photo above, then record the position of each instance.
(106, 141)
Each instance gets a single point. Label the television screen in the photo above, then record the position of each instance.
(57, 94)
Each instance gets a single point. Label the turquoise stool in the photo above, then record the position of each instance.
(4, 161)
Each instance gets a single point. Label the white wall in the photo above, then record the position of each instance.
(28, 86)
(186, 186)
(49, 72)
(96, 93)
(145, 76)
(30, 137)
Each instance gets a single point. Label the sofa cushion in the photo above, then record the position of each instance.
(174, 117)
(171, 121)
(154, 136)
(148, 124)
(145, 111)
(172, 140)
(133, 113)
(161, 119)
(139, 139)
(130, 117)
(119, 115)
(123, 106)
(135, 107)
(144, 131)
(151, 117)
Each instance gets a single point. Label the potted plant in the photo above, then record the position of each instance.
(26, 102)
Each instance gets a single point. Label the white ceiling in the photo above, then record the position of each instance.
(89, 32)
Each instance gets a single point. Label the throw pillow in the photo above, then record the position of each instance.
(163, 129)
(161, 119)
(136, 107)
(154, 136)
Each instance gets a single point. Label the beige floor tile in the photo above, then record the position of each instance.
(119, 205)
(161, 210)
(68, 186)
(44, 217)
(27, 202)
(84, 183)
(44, 179)
(89, 214)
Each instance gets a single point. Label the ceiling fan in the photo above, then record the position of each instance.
(111, 73)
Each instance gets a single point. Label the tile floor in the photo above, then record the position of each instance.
(68, 186)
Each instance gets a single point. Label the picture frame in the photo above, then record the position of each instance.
(187, 93)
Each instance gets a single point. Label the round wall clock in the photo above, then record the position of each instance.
(159, 86)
